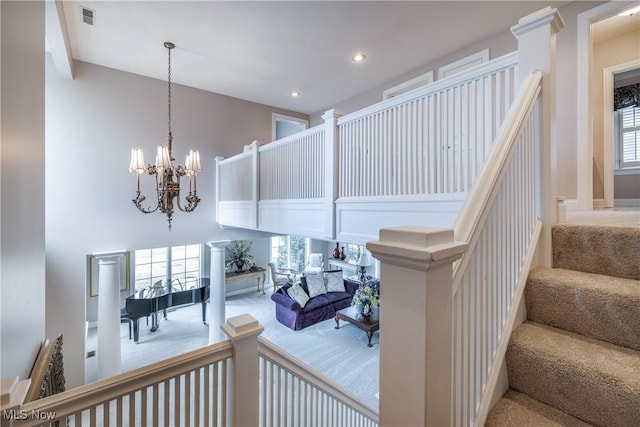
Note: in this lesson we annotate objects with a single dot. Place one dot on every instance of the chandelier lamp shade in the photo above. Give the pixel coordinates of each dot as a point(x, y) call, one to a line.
point(166, 174)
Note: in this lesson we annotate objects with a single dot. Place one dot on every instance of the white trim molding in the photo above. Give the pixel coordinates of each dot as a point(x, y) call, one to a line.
point(584, 132)
point(607, 126)
point(463, 64)
point(409, 85)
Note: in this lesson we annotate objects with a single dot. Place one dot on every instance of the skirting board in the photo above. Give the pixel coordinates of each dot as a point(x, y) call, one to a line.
point(627, 202)
point(572, 204)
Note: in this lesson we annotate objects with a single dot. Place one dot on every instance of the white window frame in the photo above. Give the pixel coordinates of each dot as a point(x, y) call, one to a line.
point(275, 117)
point(621, 165)
point(168, 272)
point(275, 244)
point(409, 85)
point(463, 64)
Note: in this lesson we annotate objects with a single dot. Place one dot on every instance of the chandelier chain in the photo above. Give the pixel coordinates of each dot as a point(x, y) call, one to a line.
point(169, 90)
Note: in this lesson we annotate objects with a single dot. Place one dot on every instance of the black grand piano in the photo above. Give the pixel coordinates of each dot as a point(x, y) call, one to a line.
point(148, 302)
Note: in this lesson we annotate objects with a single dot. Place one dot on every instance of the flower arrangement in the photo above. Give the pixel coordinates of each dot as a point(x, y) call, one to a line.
point(238, 255)
point(367, 297)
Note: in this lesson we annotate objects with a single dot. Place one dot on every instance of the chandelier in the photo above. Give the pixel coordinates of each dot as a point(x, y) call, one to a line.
point(167, 175)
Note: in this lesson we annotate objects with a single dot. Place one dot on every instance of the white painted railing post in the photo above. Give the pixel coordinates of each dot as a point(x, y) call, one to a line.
point(216, 313)
point(536, 34)
point(416, 324)
point(108, 349)
point(243, 331)
point(331, 174)
point(255, 182)
point(218, 186)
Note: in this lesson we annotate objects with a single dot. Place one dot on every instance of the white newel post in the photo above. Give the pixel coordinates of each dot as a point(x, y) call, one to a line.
point(108, 348)
point(536, 34)
point(216, 313)
point(331, 170)
point(218, 187)
point(255, 177)
point(243, 331)
point(416, 324)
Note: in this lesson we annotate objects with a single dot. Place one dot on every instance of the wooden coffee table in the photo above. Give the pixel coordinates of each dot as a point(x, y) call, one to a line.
point(367, 324)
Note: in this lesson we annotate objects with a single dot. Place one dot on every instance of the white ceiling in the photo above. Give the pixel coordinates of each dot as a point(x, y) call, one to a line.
point(261, 51)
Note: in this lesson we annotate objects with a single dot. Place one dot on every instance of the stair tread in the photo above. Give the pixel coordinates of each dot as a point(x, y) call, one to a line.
point(581, 279)
point(518, 409)
point(589, 353)
point(610, 250)
point(594, 305)
point(594, 380)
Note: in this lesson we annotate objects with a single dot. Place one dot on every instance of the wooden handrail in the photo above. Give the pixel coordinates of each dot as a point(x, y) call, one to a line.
point(89, 395)
point(476, 206)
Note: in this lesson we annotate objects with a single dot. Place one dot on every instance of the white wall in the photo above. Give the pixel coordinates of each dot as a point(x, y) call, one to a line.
point(92, 123)
point(22, 255)
point(609, 53)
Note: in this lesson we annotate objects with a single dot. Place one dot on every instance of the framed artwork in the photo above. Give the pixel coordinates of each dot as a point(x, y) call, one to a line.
point(93, 272)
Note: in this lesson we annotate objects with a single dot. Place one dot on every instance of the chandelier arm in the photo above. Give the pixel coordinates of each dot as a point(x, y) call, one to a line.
point(138, 202)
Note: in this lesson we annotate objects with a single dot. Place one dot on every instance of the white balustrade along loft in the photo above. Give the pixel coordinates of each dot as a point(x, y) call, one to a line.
point(408, 160)
point(451, 295)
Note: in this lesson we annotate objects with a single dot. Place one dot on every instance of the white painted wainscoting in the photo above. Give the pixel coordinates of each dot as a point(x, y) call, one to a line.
point(358, 220)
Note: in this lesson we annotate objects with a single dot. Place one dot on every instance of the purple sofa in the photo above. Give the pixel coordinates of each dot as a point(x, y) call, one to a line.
point(317, 309)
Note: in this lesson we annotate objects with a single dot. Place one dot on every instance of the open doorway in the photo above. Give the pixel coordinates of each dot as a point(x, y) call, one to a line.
point(598, 29)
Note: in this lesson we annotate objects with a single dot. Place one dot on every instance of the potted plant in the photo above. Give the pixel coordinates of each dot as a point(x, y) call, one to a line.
point(366, 299)
point(238, 255)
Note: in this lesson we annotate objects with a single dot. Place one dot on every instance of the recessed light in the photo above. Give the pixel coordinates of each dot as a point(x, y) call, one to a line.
point(630, 12)
point(294, 94)
point(359, 57)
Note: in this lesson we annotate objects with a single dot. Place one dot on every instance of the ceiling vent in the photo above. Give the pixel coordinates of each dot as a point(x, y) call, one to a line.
point(88, 16)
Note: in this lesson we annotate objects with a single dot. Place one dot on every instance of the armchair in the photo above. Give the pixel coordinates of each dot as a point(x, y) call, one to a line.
point(280, 276)
point(315, 264)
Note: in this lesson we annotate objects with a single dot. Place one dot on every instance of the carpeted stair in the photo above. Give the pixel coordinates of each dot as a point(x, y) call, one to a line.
point(577, 358)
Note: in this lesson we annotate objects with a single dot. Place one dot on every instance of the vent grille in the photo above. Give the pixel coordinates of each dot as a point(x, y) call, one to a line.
point(88, 16)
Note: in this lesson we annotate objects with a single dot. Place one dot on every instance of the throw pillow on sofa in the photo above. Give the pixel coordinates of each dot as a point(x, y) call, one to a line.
point(315, 284)
point(298, 294)
point(335, 282)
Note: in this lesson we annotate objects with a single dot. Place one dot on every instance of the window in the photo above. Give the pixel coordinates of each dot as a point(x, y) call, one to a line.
point(290, 251)
point(628, 137)
point(353, 253)
point(183, 263)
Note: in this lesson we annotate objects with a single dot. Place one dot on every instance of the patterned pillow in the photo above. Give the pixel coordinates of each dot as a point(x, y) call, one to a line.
point(297, 293)
point(315, 284)
point(335, 282)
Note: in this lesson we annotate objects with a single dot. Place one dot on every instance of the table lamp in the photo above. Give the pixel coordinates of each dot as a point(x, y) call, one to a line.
point(363, 263)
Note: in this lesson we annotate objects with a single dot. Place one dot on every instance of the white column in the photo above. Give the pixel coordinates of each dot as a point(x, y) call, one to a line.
point(243, 330)
point(108, 349)
point(416, 324)
point(216, 313)
point(536, 34)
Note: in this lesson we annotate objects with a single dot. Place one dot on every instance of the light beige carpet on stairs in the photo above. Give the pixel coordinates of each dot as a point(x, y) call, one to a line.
point(577, 360)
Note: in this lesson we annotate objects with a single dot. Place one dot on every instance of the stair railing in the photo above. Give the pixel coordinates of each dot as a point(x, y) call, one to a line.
point(176, 391)
point(500, 222)
point(293, 394)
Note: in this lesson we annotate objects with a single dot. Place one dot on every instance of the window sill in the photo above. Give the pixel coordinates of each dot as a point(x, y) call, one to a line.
point(627, 171)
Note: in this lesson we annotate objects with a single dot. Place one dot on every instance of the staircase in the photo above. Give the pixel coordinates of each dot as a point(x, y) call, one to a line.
point(576, 360)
